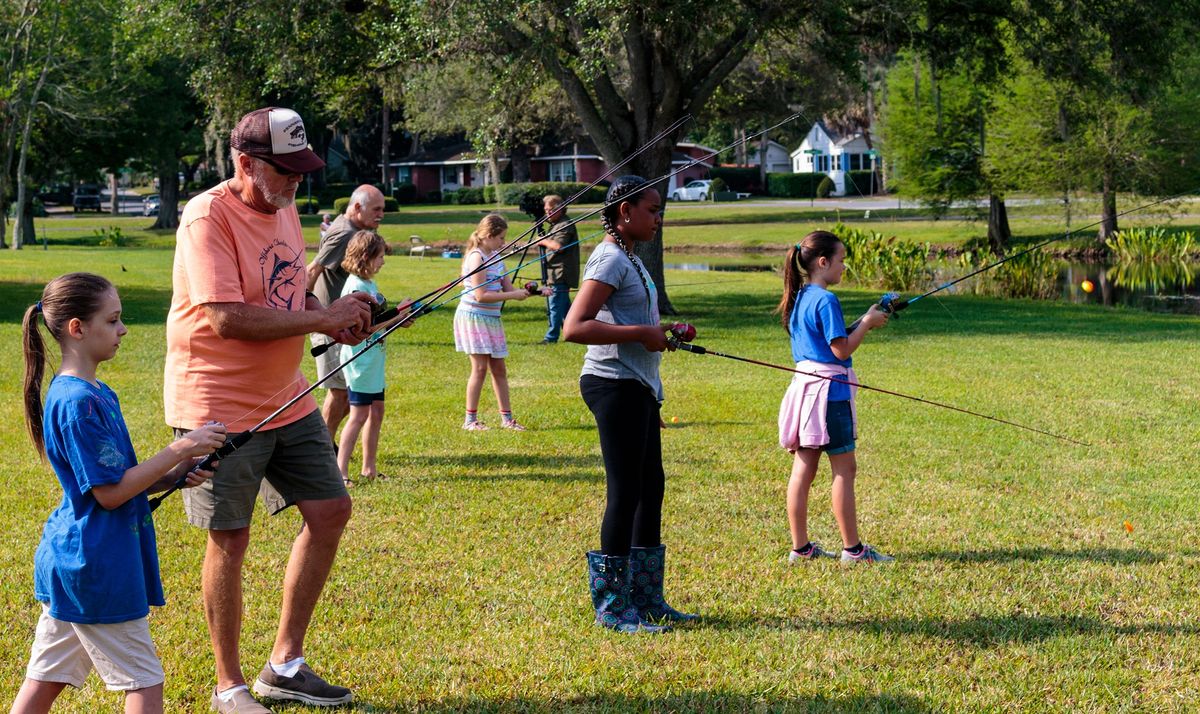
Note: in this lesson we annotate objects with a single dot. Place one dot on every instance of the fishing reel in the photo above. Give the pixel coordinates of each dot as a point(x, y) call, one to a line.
point(890, 304)
point(682, 333)
point(531, 287)
point(380, 313)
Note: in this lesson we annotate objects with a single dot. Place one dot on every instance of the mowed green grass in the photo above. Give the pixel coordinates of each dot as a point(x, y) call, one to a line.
point(461, 582)
point(767, 225)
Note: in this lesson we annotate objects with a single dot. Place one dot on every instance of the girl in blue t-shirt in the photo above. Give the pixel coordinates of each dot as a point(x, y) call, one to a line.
point(365, 378)
point(817, 413)
point(96, 568)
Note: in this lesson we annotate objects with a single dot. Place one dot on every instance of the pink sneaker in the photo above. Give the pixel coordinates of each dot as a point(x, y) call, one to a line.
point(512, 424)
point(474, 426)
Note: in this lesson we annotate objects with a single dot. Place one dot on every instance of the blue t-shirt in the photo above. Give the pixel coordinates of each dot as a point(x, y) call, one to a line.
point(631, 303)
point(365, 374)
point(815, 322)
point(93, 566)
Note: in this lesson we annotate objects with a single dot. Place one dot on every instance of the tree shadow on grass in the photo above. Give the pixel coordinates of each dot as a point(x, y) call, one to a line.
point(975, 631)
point(701, 701)
point(1115, 556)
point(139, 305)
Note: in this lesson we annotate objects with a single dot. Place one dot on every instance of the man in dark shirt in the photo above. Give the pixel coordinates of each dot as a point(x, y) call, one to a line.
point(326, 278)
point(561, 253)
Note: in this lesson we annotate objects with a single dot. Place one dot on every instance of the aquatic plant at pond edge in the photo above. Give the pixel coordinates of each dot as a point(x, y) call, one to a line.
point(1153, 243)
point(876, 261)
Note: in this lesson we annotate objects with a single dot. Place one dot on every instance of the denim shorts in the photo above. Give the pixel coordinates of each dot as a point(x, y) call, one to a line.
point(363, 399)
point(839, 421)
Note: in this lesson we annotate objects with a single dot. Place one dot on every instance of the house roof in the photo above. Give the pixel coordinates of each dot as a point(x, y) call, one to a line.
point(453, 154)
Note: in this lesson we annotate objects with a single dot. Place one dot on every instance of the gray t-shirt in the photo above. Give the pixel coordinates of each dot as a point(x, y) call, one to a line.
point(330, 253)
point(628, 305)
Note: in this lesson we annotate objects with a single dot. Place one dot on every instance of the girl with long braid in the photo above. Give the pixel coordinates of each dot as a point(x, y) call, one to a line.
point(616, 315)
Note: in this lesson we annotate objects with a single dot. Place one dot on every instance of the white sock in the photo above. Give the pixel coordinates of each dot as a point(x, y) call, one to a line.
point(287, 669)
point(227, 695)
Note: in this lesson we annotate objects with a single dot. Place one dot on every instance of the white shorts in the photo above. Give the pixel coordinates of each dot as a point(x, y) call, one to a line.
point(121, 653)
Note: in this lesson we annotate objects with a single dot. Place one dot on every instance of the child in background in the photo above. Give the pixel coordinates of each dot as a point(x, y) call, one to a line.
point(477, 328)
point(817, 413)
point(365, 377)
point(96, 568)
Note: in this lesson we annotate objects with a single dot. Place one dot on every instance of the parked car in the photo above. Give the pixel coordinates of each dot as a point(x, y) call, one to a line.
point(55, 194)
point(150, 205)
point(86, 198)
point(698, 190)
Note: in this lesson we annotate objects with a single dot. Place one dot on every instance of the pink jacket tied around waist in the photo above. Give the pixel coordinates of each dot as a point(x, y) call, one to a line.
point(802, 412)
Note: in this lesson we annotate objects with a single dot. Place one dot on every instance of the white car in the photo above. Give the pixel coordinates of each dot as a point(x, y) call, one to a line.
point(694, 191)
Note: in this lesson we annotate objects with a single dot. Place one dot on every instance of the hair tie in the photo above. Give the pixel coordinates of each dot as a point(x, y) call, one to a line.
point(38, 306)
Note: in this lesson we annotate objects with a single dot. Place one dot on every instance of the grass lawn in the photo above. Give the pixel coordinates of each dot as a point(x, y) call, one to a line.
point(461, 582)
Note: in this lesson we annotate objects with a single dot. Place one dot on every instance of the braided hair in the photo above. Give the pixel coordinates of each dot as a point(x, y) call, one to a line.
point(635, 188)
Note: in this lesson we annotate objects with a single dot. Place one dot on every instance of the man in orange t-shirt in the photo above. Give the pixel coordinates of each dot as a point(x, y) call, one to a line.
point(235, 337)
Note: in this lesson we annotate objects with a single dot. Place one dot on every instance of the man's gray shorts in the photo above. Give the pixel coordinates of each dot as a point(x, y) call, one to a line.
point(285, 465)
point(329, 361)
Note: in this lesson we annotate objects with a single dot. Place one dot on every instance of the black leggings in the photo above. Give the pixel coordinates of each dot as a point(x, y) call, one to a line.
point(627, 418)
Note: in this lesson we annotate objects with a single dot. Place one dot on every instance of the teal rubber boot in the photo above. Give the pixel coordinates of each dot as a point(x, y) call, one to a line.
point(646, 571)
point(608, 579)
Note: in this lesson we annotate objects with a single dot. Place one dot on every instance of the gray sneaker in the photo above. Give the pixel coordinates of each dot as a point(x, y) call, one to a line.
point(242, 702)
point(305, 686)
point(813, 554)
point(867, 555)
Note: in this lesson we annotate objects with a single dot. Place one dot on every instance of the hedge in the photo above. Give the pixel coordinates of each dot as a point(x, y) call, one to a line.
point(464, 196)
point(512, 193)
point(746, 180)
point(307, 205)
point(340, 204)
point(405, 193)
point(794, 185)
point(858, 183)
point(825, 188)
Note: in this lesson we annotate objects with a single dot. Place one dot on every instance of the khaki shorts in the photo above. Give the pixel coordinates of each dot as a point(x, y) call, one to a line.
point(121, 653)
point(329, 361)
point(285, 465)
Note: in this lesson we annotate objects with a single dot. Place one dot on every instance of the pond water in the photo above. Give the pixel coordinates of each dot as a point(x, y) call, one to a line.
point(1158, 287)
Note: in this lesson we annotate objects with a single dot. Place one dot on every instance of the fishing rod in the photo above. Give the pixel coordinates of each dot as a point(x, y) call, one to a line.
point(512, 249)
point(682, 334)
point(419, 306)
point(392, 313)
point(891, 303)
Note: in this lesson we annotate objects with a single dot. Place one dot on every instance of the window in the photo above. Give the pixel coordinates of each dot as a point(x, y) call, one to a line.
point(404, 174)
point(562, 170)
point(855, 162)
point(837, 162)
point(450, 175)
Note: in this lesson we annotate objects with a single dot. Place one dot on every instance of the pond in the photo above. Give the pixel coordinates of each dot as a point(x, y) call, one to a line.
point(1154, 286)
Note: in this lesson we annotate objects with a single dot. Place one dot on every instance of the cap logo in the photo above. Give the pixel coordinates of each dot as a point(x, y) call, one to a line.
point(287, 132)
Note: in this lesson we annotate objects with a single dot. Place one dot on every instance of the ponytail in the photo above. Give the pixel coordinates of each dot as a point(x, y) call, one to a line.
point(35, 368)
point(67, 297)
point(796, 268)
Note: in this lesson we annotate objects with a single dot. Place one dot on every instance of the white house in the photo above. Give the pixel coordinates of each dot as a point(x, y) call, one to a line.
point(778, 161)
point(823, 151)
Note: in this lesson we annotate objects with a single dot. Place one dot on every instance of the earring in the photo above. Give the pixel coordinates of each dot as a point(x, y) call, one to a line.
point(626, 219)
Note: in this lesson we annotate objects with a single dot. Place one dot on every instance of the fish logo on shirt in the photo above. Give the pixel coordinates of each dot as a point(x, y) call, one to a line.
point(283, 273)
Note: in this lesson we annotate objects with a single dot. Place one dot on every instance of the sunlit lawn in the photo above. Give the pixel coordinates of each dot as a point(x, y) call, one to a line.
point(461, 585)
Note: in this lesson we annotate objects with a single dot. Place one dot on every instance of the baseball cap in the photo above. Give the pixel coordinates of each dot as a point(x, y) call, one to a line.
point(276, 136)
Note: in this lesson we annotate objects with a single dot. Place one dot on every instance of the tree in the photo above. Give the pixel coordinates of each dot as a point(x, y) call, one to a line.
point(628, 69)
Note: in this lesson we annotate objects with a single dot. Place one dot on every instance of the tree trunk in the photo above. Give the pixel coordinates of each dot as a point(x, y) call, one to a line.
point(999, 233)
point(114, 197)
point(1108, 215)
point(762, 155)
point(520, 164)
point(739, 152)
point(651, 165)
point(386, 131)
point(168, 194)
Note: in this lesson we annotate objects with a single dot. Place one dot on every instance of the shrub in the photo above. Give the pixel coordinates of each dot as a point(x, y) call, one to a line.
point(746, 180)
point(793, 185)
point(859, 183)
point(1154, 243)
point(876, 261)
point(307, 205)
point(331, 191)
point(433, 197)
point(340, 205)
point(718, 184)
point(825, 187)
point(405, 193)
point(512, 193)
point(464, 196)
point(390, 205)
point(111, 237)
